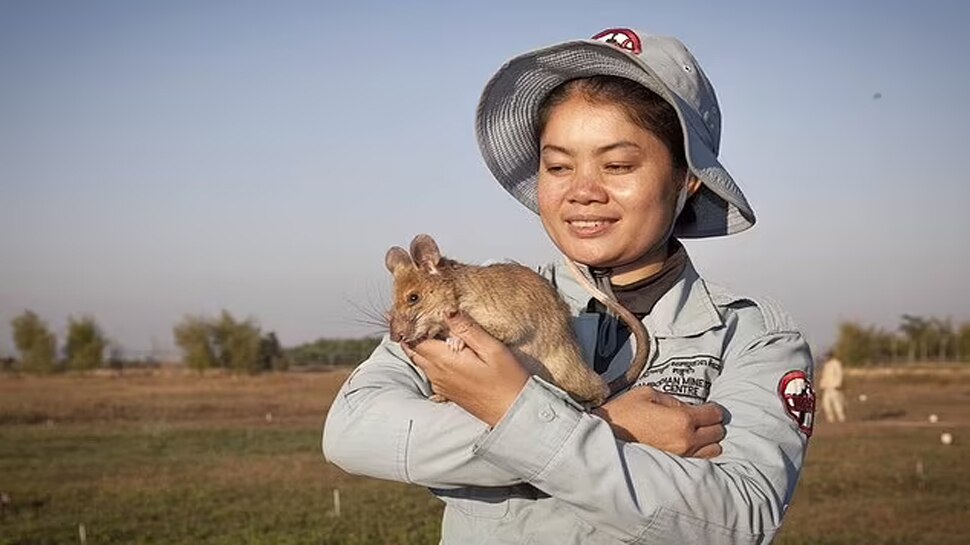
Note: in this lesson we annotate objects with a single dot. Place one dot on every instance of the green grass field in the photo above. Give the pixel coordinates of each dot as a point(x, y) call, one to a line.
point(183, 459)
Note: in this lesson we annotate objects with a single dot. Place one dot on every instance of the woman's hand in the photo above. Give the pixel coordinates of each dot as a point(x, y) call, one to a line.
point(484, 377)
point(644, 415)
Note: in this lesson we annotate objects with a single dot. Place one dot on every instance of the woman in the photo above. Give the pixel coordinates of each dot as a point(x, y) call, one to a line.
point(613, 141)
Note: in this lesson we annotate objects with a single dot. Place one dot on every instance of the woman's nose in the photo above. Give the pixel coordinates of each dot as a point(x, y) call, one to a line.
point(587, 187)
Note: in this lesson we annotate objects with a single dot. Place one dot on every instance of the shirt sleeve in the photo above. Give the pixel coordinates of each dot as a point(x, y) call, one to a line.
point(640, 494)
point(382, 424)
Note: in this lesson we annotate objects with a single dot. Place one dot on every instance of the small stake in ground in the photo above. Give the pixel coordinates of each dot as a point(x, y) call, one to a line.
point(336, 502)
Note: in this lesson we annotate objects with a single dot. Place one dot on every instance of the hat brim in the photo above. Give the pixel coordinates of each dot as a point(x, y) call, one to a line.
point(507, 130)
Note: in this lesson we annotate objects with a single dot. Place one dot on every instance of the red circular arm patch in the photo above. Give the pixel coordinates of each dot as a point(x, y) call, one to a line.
point(798, 397)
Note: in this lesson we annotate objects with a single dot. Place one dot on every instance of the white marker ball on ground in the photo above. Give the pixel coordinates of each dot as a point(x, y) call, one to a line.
point(946, 438)
point(934, 419)
point(863, 397)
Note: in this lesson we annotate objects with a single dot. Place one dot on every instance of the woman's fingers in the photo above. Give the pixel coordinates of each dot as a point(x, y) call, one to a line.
point(709, 435)
point(708, 451)
point(434, 357)
point(474, 336)
point(708, 414)
point(415, 357)
point(434, 352)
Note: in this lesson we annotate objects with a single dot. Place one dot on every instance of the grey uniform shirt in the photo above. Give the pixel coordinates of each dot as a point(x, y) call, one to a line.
point(550, 473)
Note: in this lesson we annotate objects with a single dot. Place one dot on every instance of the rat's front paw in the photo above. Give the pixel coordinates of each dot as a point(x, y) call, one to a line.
point(438, 398)
point(455, 343)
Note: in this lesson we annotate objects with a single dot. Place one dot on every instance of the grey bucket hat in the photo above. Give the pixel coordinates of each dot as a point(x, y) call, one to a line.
point(507, 118)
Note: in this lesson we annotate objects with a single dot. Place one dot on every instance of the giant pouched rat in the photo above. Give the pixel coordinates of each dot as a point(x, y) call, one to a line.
point(511, 302)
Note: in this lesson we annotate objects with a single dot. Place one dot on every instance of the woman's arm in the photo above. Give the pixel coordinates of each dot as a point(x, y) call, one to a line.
point(639, 493)
point(382, 424)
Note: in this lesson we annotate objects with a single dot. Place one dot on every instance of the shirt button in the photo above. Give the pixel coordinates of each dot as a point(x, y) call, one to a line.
point(547, 414)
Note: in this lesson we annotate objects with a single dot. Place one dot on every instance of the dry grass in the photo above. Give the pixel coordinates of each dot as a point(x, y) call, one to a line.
point(183, 397)
point(182, 458)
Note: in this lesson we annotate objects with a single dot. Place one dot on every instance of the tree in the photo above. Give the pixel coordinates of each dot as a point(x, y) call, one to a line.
point(226, 343)
point(853, 344)
point(271, 354)
point(85, 344)
point(35, 342)
point(237, 343)
point(916, 330)
point(882, 345)
point(942, 337)
point(192, 335)
point(963, 342)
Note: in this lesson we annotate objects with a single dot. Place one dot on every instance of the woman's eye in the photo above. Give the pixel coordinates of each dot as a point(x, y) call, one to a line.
point(557, 169)
point(618, 168)
point(413, 298)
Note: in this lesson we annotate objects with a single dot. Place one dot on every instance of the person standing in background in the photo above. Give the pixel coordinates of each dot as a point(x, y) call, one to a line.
point(831, 385)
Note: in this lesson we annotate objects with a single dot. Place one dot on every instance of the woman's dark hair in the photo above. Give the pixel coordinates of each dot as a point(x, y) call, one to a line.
point(643, 106)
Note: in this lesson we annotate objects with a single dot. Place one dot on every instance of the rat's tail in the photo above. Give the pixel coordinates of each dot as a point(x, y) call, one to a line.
point(641, 338)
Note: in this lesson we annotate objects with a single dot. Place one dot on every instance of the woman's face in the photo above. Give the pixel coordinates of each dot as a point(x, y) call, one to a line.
point(607, 187)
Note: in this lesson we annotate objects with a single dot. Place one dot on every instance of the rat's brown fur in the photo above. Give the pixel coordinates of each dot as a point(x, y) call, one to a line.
point(513, 303)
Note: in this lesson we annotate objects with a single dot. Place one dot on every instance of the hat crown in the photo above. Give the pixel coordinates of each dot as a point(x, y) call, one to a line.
point(669, 58)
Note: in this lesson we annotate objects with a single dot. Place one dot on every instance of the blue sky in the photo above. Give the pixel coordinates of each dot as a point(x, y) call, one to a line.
point(167, 158)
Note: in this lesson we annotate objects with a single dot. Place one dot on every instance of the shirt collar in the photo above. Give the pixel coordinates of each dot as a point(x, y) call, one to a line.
point(686, 310)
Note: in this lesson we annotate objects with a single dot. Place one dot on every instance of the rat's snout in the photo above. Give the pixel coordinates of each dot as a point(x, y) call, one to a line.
point(398, 326)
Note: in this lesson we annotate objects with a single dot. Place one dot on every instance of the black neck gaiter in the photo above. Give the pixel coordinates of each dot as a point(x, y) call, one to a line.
point(639, 298)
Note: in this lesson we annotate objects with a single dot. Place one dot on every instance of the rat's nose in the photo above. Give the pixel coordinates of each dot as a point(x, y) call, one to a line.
point(395, 331)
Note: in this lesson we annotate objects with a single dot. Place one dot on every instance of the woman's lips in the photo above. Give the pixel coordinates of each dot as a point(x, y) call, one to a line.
point(589, 227)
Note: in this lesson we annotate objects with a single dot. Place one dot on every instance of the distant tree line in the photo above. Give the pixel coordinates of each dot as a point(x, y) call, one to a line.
point(206, 343)
point(333, 351)
point(916, 339)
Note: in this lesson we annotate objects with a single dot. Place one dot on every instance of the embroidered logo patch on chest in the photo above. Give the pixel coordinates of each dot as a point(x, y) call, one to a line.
point(798, 398)
point(687, 377)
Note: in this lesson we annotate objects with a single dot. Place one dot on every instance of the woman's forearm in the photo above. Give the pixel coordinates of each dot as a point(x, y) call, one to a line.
point(381, 424)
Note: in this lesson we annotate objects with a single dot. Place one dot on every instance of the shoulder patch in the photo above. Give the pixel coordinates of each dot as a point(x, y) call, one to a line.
point(775, 318)
point(798, 398)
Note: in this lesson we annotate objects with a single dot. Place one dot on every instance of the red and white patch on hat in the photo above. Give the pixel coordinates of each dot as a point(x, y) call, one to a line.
point(798, 397)
point(624, 38)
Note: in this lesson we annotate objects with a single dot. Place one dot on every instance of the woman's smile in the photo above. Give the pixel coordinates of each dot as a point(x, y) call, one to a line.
point(589, 227)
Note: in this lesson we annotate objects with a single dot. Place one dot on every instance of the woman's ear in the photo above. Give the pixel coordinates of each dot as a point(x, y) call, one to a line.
point(693, 184)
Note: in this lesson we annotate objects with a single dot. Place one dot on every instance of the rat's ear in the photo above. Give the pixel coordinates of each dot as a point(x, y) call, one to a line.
point(425, 253)
point(396, 257)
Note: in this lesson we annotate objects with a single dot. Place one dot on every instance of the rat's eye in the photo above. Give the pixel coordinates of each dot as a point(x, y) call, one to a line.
point(413, 298)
